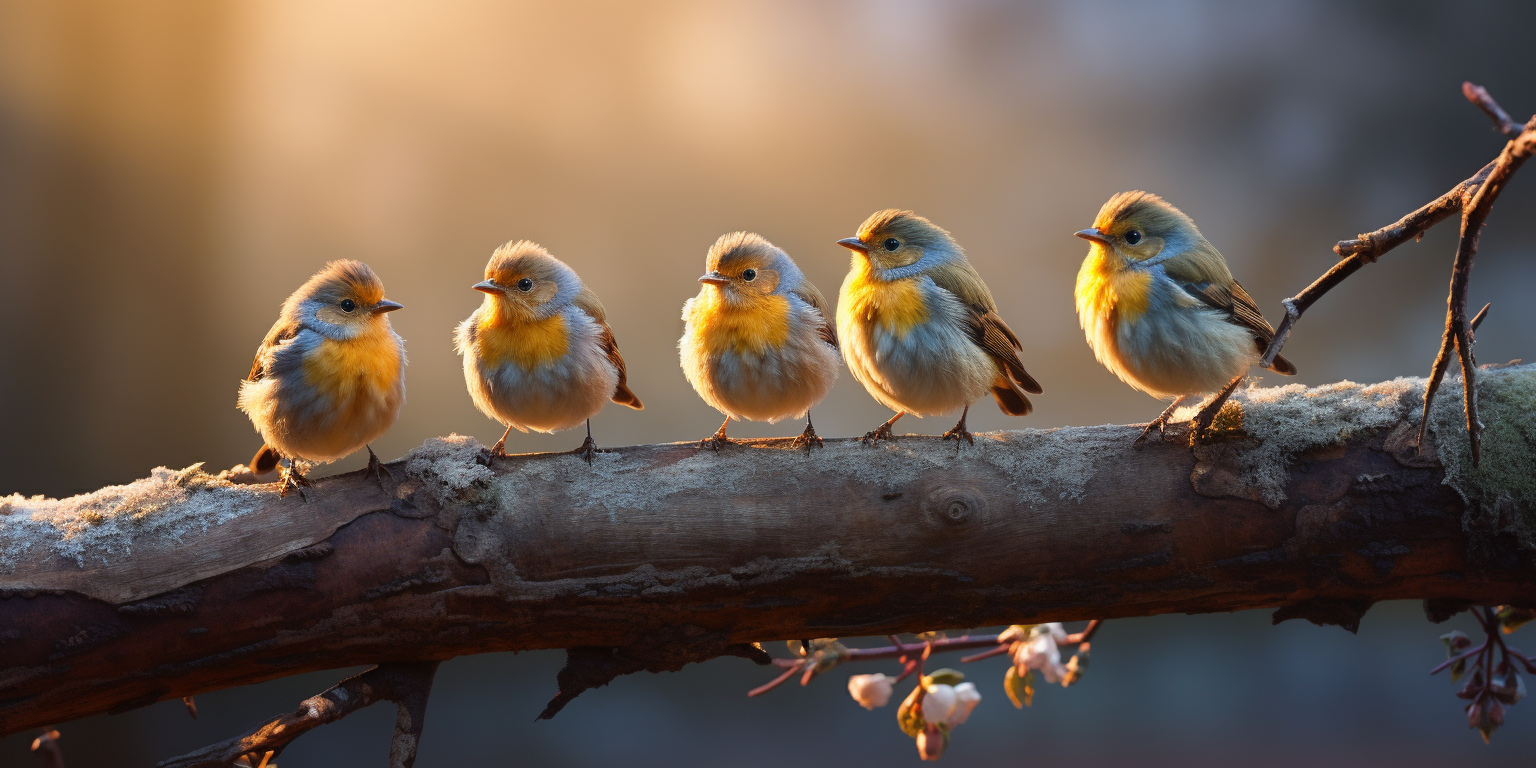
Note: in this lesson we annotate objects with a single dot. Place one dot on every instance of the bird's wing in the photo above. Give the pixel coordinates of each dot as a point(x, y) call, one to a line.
point(984, 325)
point(1240, 310)
point(283, 330)
point(808, 293)
point(587, 302)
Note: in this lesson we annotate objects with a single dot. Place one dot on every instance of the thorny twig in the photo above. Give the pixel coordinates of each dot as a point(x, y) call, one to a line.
point(408, 685)
point(1474, 198)
point(911, 655)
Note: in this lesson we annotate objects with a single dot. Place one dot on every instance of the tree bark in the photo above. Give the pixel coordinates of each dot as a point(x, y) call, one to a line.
point(1316, 501)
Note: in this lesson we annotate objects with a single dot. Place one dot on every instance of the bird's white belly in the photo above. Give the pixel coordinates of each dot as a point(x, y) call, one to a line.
point(932, 368)
point(1182, 351)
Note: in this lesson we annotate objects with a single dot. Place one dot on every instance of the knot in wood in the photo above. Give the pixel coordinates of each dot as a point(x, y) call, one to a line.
point(953, 505)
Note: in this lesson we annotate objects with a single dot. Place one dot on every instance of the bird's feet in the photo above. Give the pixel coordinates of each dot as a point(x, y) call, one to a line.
point(958, 433)
point(292, 481)
point(488, 456)
point(586, 450)
point(1157, 424)
point(808, 438)
point(715, 441)
point(378, 469)
point(882, 432)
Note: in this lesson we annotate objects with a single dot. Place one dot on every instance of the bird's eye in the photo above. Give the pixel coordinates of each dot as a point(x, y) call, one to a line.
point(525, 285)
point(1132, 237)
point(749, 274)
point(347, 305)
point(892, 244)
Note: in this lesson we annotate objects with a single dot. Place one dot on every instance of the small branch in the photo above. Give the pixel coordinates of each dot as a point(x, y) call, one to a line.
point(408, 685)
point(1501, 122)
point(1368, 247)
point(48, 741)
point(1458, 331)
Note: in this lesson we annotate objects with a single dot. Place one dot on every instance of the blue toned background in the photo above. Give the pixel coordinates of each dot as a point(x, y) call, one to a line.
point(170, 171)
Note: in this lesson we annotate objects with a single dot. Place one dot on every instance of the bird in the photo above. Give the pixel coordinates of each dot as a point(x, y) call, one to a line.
point(538, 352)
point(329, 378)
point(919, 328)
point(1161, 309)
point(757, 343)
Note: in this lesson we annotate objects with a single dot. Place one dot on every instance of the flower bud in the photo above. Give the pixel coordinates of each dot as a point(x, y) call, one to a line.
point(939, 703)
point(870, 691)
point(930, 743)
point(966, 699)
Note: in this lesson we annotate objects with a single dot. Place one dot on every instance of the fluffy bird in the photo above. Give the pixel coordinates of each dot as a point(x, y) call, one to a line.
point(919, 328)
point(538, 352)
point(1161, 309)
point(756, 340)
point(329, 377)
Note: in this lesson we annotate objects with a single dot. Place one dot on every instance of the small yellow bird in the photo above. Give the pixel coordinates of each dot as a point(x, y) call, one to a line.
point(329, 378)
point(919, 328)
point(538, 353)
point(1161, 309)
point(756, 340)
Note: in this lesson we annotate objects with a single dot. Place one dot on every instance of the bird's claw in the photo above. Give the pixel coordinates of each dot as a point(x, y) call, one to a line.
point(295, 482)
point(714, 441)
point(882, 432)
point(807, 439)
point(959, 433)
point(1158, 424)
point(378, 469)
point(586, 450)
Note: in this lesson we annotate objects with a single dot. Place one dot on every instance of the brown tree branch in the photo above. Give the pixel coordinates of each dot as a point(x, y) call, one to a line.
point(656, 556)
point(408, 685)
point(1474, 198)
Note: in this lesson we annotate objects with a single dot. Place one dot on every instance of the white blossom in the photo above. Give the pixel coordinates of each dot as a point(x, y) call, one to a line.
point(1040, 653)
point(966, 699)
point(939, 703)
point(870, 691)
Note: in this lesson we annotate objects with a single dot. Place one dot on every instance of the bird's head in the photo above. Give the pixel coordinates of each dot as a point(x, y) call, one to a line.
point(744, 267)
point(897, 243)
point(342, 300)
point(522, 281)
point(1139, 229)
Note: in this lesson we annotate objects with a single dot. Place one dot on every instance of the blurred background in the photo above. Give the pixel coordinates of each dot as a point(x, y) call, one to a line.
point(171, 171)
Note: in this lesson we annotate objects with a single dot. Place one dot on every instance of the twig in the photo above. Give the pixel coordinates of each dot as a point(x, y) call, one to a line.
point(912, 655)
point(408, 685)
point(1479, 95)
point(1474, 198)
point(48, 741)
point(1458, 331)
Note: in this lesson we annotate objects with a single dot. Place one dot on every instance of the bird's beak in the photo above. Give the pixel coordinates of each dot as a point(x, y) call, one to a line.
point(854, 244)
point(1093, 234)
point(714, 278)
point(487, 286)
point(387, 306)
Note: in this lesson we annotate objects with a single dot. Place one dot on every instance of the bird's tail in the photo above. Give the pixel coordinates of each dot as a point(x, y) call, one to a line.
point(623, 396)
point(1283, 366)
point(265, 460)
point(1010, 399)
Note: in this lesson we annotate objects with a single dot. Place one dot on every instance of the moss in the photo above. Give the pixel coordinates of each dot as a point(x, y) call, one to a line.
point(1502, 488)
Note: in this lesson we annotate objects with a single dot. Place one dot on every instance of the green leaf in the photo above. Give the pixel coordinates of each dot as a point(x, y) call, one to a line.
point(1020, 689)
point(1458, 670)
point(909, 716)
point(945, 676)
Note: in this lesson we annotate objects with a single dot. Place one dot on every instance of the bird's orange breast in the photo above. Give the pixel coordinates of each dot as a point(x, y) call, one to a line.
point(896, 305)
point(366, 366)
point(753, 327)
point(530, 344)
point(1105, 291)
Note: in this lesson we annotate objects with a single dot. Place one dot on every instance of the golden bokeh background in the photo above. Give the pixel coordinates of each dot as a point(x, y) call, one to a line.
point(170, 171)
